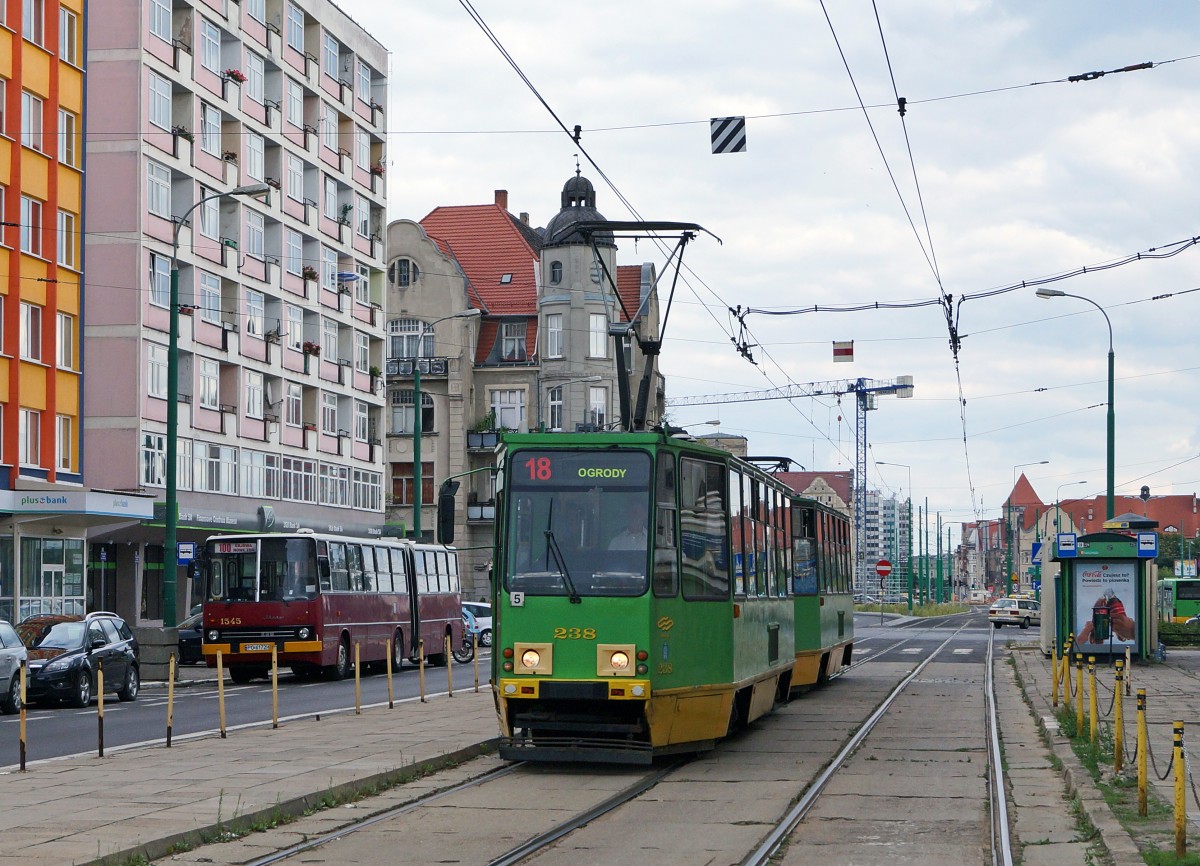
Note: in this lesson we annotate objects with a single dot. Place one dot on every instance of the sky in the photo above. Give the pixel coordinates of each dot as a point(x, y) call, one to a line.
point(1000, 173)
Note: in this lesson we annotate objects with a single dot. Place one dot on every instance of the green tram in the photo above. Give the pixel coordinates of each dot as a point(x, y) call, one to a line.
point(644, 592)
point(822, 584)
point(1180, 599)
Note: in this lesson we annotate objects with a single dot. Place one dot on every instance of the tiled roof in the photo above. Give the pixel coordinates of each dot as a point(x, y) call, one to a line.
point(842, 481)
point(629, 287)
point(488, 245)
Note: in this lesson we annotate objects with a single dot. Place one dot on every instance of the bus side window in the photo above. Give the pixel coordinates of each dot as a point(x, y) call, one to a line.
point(354, 564)
point(383, 569)
point(399, 575)
point(422, 579)
point(368, 576)
point(340, 576)
point(452, 571)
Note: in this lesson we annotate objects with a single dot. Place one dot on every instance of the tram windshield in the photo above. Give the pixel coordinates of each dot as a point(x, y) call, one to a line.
point(578, 523)
point(285, 571)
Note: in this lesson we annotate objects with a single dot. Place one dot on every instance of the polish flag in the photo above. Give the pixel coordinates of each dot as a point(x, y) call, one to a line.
point(843, 350)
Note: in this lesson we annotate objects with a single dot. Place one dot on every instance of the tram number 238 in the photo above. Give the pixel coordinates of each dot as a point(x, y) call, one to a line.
point(574, 634)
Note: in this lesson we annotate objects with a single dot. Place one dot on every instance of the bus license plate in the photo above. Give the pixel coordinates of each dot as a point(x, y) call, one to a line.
point(256, 647)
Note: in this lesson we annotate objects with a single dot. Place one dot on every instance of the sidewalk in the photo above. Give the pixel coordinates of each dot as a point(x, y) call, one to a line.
point(143, 801)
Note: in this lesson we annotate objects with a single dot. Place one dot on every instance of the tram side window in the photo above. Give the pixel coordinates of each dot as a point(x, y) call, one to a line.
point(749, 530)
point(338, 570)
point(704, 524)
point(666, 550)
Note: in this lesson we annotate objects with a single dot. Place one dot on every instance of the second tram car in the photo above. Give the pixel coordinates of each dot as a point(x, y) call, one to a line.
point(314, 597)
point(643, 590)
point(822, 587)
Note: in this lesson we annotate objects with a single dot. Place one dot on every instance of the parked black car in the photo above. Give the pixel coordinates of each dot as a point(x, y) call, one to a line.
point(190, 652)
point(66, 651)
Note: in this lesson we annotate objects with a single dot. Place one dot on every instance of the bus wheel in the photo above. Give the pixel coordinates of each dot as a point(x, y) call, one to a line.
point(340, 669)
point(241, 675)
point(398, 655)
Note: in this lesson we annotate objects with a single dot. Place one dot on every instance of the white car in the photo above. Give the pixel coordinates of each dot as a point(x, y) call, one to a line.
point(482, 611)
point(12, 653)
point(1015, 611)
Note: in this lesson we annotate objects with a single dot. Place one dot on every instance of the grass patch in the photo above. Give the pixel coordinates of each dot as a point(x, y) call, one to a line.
point(943, 609)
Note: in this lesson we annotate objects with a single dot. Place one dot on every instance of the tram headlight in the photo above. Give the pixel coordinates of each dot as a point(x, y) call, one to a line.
point(213, 635)
point(619, 661)
point(531, 658)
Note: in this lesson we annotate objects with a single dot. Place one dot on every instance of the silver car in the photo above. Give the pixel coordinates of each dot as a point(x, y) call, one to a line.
point(12, 653)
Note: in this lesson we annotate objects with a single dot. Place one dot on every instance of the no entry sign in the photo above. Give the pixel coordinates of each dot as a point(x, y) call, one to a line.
point(883, 568)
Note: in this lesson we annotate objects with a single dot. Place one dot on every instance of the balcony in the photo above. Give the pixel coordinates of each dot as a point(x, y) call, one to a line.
point(482, 441)
point(477, 511)
point(403, 367)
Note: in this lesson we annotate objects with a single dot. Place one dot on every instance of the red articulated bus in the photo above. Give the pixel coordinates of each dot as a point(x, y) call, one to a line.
point(313, 597)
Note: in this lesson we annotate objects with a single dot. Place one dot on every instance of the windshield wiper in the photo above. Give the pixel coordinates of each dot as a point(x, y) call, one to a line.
point(552, 546)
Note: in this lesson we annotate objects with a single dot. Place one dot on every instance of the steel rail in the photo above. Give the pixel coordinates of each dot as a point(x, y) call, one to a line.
point(1001, 840)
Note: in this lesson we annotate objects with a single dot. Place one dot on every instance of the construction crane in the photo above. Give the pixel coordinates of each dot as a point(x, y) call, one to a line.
point(865, 391)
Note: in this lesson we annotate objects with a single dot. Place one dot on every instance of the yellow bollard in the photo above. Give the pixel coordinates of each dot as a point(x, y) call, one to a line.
point(24, 673)
point(357, 681)
point(421, 665)
point(1078, 694)
point(1180, 798)
point(391, 702)
point(1119, 720)
point(1092, 698)
point(475, 656)
point(170, 698)
point(221, 692)
point(1141, 751)
point(100, 705)
point(274, 686)
point(449, 669)
point(1066, 671)
point(1057, 672)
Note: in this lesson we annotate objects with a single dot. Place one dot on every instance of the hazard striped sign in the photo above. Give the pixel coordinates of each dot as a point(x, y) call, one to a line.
point(728, 134)
point(843, 350)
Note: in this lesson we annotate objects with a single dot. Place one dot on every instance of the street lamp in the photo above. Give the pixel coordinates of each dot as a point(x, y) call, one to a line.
point(1057, 494)
point(417, 479)
point(1112, 418)
point(908, 559)
point(171, 519)
point(1008, 528)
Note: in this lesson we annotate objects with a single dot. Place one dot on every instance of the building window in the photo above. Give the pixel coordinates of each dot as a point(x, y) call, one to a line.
point(260, 475)
point(255, 313)
point(363, 82)
point(329, 339)
point(554, 335)
point(295, 326)
point(295, 103)
point(210, 130)
point(210, 215)
point(293, 251)
point(210, 46)
point(255, 155)
point(330, 208)
point(154, 460)
point(31, 332)
point(31, 226)
point(362, 286)
point(66, 138)
point(329, 126)
point(160, 19)
point(295, 28)
point(64, 444)
point(403, 273)
point(329, 55)
point(66, 341)
point(556, 272)
point(512, 341)
point(329, 269)
point(362, 216)
point(295, 177)
point(254, 394)
point(31, 120)
point(403, 336)
point(33, 19)
point(210, 384)
point(361, 426)
point(362, 352)
point(299, 479)
point(66, 239)
point(404, 483)
point(254, 77)
point(402, 412)
point(156, 370)
point(29, 442)
point(508, 406)
point(598, 407)
point(366, 489)
point(255, 234)
point(335, 484)
point(329, 414)
point(362, 148)
point(160, 101)
point(216, 469)
point(597, 336)
point(158, 189)
point(68, 36)
point(210, 297)
point(554, 399)
point(160, 280)
point(294, 404)
point(257, 9)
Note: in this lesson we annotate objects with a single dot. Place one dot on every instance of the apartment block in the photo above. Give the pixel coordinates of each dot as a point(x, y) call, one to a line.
point(194, 105)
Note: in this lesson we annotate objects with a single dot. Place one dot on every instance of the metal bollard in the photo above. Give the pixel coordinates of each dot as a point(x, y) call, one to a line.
point(421, 664)
point(274, 687)
point(1141, 751)
point(357, 681)
point(1057, 672)
point(24, 673)
point(1119, 720)
point(100, 706)
point(1092, 724)
point(1078, 694)
point(221, 692)
point(391, 701)
point(475, 657)
point(449, 669)
point(1180, 798)
point(170, 698)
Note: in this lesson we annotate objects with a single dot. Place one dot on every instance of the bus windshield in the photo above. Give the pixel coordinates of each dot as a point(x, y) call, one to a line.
point(578, 523)
point(285, 571)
